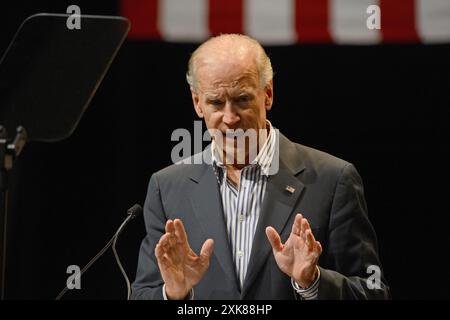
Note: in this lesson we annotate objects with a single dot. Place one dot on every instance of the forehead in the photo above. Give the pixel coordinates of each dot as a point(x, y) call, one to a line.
point(222, 69)
point(215, 77)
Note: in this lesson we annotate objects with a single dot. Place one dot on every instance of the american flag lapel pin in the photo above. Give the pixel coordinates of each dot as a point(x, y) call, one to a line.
point(290, 189)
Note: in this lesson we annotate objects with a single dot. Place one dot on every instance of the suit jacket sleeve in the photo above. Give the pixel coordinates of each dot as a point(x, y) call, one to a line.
point(148, 283)
point(351, 245)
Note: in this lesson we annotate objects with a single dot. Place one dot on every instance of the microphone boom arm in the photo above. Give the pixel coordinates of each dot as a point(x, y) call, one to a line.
point(133, 212)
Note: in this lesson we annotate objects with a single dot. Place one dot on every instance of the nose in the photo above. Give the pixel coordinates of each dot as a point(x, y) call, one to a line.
point(230, 117)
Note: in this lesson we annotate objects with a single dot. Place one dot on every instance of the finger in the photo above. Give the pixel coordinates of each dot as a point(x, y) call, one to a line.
point(206, 251)
point(159, 251)
point(310, 241)
point(318, 249)
point(180, 232)
point(161, 255)
point(296, 226)
point(274, 239)
point(319, 246)
point(170, 229)
point(164, 242)
point(304, 227)
point(173, 241)
point(169, 226)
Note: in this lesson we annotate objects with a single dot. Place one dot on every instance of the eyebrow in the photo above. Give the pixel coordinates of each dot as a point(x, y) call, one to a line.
point(213, 96)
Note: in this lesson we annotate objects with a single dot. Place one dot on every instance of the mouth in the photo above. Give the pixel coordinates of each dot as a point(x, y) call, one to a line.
point(236, 133)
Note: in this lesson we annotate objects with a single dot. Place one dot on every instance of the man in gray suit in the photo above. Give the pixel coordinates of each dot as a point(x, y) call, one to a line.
point(289, 222)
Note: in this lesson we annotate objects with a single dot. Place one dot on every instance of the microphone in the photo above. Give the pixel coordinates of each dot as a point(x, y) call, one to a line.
point(132, 213)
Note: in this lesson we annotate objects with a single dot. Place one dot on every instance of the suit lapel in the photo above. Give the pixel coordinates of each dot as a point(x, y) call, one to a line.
point(208, 210)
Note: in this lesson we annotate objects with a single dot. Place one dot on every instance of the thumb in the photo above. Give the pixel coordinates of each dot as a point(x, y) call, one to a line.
point(207, 249)
point(274, 239)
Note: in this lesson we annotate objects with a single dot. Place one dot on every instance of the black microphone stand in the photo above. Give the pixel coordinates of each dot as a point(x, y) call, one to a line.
point(9, 151)
point(133, 212)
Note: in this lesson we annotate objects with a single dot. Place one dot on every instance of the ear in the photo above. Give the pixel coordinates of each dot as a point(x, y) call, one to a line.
point(196, 102)
point(269, 95)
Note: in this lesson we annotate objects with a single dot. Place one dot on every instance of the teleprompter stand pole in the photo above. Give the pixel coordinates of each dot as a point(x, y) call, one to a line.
point(9, 151)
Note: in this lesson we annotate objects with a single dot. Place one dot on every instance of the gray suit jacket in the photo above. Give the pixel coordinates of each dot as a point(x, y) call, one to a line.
point(328, 192)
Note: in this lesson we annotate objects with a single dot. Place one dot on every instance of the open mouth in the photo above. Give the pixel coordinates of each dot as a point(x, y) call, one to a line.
point(237, 133)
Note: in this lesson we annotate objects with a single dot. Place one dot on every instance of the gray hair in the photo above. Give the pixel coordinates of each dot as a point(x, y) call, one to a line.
point(265, 71)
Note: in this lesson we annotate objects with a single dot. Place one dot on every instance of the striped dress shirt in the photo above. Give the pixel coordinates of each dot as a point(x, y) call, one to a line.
point(242, 206)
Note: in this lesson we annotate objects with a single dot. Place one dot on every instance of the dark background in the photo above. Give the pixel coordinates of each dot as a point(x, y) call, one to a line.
point(384, 108)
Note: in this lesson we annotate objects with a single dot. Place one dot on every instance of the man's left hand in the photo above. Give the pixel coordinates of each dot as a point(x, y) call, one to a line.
point(298, 256)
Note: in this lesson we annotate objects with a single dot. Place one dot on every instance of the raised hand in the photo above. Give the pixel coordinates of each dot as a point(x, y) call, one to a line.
point(299, 255)
point(181, 269)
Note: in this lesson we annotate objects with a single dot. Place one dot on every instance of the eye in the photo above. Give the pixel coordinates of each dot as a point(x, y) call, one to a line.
point(243, 99)
point(216, 102)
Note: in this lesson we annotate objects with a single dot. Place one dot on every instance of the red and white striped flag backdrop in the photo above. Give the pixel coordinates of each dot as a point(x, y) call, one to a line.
point(283, 22)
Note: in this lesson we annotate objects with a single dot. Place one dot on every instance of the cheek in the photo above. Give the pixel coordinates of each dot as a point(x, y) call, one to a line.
point(254, 114)
point(212, 119)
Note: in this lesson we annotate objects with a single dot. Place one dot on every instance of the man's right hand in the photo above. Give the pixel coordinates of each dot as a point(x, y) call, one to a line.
point(181, 269)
